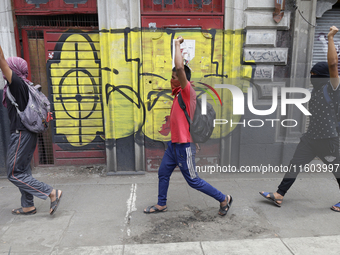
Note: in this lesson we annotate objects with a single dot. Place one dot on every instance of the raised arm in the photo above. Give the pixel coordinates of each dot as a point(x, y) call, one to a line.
point(4, 67)
point(332, 58)
point(179, 63)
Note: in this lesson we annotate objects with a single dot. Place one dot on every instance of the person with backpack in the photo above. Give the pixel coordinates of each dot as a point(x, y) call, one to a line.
point(181, 151)
point(322, 136)
point(22, 141)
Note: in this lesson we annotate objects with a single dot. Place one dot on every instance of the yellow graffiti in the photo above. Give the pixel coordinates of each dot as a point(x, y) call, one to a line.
point(238, 75)
point(75, 78)
point(139, 68)
point(227, 52)
point(136, 85)
point(123, 110)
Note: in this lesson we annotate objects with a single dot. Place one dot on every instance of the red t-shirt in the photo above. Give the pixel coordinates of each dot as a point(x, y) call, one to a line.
point(179, 125)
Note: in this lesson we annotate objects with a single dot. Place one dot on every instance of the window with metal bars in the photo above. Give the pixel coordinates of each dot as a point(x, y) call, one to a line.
point(74, 20)
point(37, 62)
point(180, 7)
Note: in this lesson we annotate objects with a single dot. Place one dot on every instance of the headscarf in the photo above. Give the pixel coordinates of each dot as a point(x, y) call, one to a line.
point(19, 67)
point(321, 76)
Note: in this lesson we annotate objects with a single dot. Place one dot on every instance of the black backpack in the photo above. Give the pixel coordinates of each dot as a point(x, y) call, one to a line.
point(202, 126)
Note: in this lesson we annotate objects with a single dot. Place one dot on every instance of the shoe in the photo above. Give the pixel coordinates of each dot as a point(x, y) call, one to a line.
point(55, 203)
point(156, 210)
point(223, 210)
point(20, 211)
point(337, 205)
point(272, 198)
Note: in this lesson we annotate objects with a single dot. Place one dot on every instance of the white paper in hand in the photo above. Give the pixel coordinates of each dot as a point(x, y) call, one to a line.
point(187, 49)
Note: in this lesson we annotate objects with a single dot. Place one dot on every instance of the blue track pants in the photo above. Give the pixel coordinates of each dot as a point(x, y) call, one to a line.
point(182, 155)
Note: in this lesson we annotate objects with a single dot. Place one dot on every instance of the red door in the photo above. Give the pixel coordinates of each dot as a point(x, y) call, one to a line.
point(66, 63)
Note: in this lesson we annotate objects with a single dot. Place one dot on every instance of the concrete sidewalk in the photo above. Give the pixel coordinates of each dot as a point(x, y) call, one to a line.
point(103, 215)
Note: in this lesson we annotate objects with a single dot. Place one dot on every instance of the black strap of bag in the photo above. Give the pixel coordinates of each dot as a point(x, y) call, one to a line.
point(184, 108)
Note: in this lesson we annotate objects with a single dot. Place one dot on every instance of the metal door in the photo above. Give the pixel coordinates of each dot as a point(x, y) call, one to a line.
point(74, 78)
point(67, 65)
point(34, 54)
point(328, 19)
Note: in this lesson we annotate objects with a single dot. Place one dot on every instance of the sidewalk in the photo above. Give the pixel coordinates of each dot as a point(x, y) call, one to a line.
point(103, 215)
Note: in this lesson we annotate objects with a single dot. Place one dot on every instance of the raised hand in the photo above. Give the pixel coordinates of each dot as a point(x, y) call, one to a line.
point(332, 31)
point(179, 39)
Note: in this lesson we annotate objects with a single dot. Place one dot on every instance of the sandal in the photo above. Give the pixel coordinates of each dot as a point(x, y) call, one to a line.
point(155, 209)
point(338, 206)
point(55, 203)
point(272, 198)
point(223, 210)
point(21, 211)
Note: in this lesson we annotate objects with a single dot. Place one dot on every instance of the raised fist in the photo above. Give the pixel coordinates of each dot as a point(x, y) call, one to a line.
point(180, 39)
point(332, 31)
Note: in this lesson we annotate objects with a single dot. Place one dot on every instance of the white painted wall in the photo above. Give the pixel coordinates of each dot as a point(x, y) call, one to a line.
point(7, 40)
point(118, 14)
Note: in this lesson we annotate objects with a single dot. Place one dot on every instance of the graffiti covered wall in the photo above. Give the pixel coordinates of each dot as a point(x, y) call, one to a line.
point(136, 82)
point(75, 88)
point(111, 88)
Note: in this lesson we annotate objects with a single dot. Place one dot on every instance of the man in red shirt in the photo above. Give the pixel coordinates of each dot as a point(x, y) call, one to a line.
point(180, 150)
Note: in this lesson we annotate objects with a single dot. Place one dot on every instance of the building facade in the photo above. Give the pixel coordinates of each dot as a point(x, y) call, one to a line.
point(106, 67)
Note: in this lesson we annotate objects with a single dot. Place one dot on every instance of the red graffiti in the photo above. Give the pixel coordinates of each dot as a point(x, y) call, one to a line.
point(165, 127)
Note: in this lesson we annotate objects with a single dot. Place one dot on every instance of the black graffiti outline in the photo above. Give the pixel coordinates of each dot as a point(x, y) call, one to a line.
point(119, 90)
point(78, 97)
point(155, 75)
point(163, 93)
point(57, 59)
point(140, 104)
point(158, 95)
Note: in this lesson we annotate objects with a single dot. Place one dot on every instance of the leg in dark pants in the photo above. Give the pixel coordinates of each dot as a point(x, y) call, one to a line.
point(304, 154)
point(186, 161)
point(20, 153)
point(27, 199)
point(326, 149)
point(183, 155)
point(329, 154)
point(164, 172)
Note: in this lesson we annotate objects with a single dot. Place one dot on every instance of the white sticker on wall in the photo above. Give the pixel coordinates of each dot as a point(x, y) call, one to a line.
point(187, 49)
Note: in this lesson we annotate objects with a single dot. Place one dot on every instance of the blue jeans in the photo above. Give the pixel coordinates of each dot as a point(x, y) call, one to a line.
point(182, 155)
